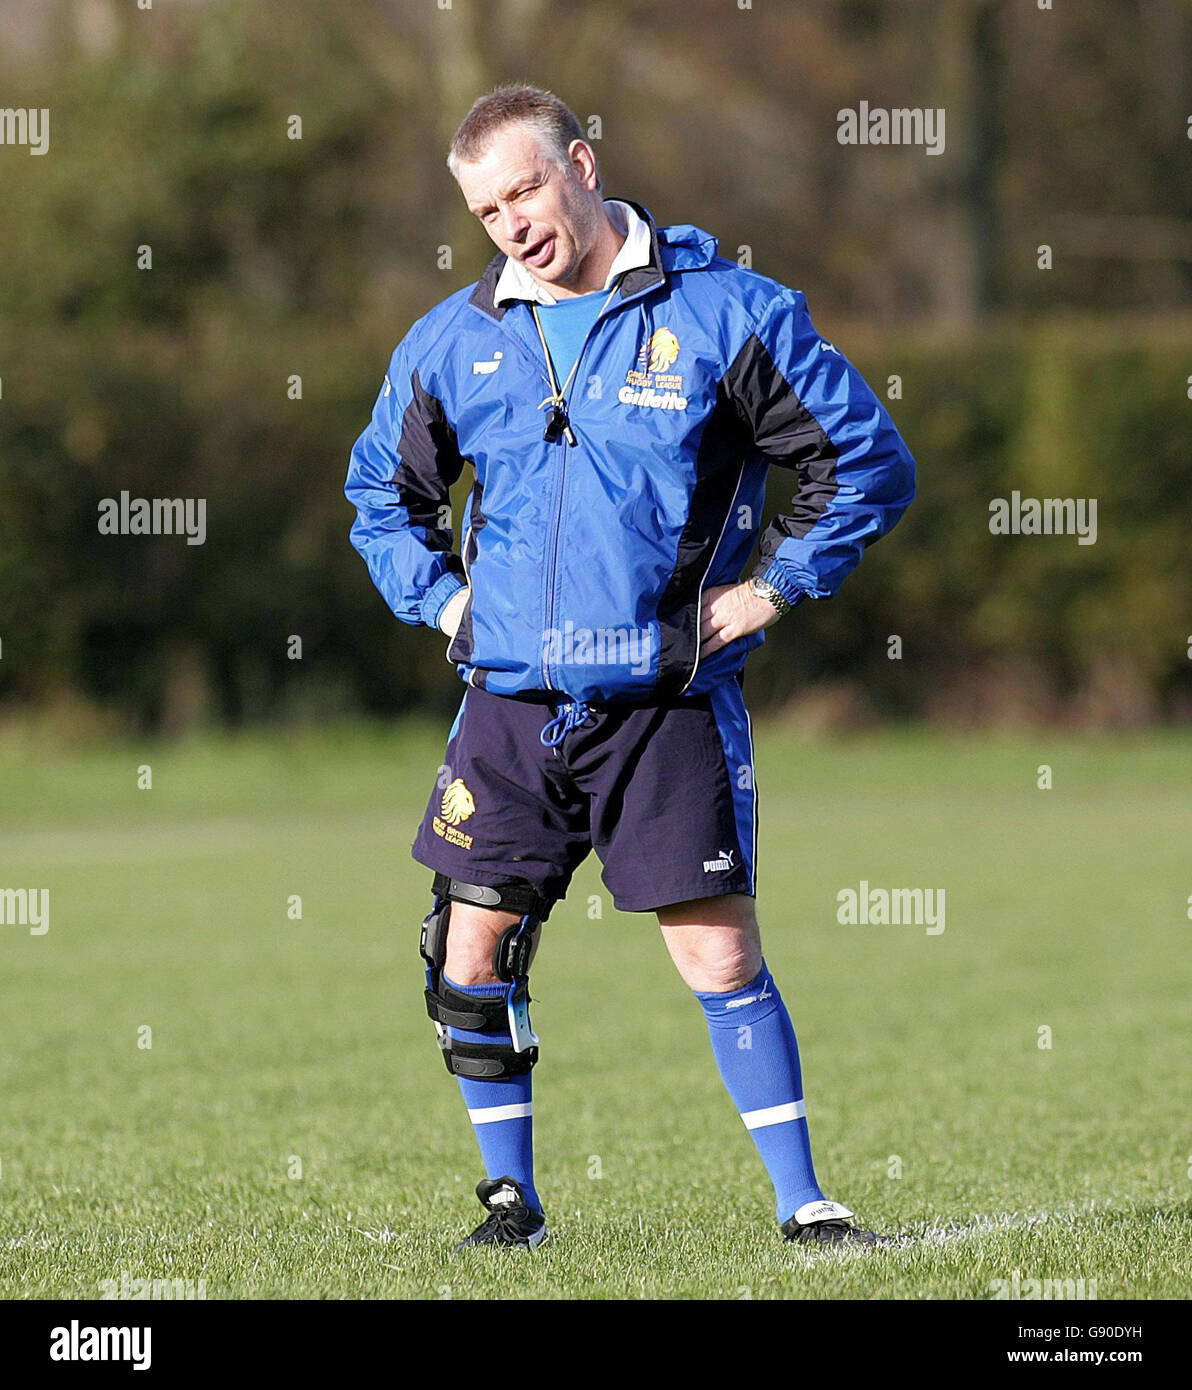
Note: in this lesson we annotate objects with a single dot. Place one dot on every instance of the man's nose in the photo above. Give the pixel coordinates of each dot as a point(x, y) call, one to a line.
point(513, 223)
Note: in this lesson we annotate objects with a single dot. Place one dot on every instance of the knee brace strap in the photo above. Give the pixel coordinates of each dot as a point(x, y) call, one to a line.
point(455, 1010)
point(486, 1061)
point(522, 898)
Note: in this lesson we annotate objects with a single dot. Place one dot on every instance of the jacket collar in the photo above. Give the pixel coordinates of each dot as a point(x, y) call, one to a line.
point(644, 271)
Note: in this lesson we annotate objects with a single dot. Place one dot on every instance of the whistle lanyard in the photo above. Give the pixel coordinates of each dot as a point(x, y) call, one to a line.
point(558, 424)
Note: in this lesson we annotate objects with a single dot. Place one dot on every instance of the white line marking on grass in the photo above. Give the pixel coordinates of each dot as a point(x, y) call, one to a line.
point(34, 1240)
point(1010, 1221)
point(381, 1237)
point(987, 1225)
point(980, 1226)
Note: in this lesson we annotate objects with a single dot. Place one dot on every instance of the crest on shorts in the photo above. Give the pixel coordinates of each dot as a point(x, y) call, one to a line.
point(458, 803)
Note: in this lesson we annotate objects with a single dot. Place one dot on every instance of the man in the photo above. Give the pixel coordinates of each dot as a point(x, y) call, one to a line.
point(619, 392)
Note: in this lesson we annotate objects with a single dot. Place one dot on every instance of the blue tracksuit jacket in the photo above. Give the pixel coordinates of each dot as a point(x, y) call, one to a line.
point(587, 561)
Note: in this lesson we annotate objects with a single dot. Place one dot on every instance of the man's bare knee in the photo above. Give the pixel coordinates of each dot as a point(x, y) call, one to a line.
point(713, 961)
point(715, 943)
point(472, 936)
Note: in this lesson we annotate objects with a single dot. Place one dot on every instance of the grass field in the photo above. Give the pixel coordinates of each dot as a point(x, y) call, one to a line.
point(275, 1039)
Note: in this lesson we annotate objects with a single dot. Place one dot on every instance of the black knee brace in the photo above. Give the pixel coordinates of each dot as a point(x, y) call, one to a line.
point(448, 1008)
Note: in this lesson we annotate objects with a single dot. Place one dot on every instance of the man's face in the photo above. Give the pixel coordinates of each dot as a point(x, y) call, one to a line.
point(542, 215)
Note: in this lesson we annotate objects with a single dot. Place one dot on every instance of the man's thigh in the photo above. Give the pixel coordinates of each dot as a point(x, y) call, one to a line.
point(674, 803)
point(499, 812)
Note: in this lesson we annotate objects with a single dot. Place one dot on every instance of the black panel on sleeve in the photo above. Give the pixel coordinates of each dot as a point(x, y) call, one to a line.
point(430, 463)
point(787, 434)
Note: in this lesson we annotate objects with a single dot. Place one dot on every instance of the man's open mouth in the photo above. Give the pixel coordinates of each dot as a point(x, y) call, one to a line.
point(540, 253)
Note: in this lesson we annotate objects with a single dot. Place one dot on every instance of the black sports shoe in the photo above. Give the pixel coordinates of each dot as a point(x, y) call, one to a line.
point(510, 1221)
point(826, 1223)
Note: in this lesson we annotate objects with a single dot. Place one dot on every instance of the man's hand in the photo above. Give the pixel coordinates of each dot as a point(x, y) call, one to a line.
point(730, 611)
point(453, 611)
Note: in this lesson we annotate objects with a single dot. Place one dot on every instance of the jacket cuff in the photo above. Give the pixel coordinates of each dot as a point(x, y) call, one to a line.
point(437, 597)
point(782, 581)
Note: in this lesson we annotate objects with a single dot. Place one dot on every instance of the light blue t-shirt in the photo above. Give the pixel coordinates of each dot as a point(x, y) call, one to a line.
point(565, 325)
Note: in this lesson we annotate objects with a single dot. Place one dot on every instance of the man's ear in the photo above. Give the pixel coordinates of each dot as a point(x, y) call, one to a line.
point(583, 161)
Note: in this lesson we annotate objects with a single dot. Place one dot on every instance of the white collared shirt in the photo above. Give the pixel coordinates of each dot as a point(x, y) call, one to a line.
point(516, 282)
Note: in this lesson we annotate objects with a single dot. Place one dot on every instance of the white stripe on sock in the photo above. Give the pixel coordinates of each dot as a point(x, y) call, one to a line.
point(490, 1114)
point(774, 1115)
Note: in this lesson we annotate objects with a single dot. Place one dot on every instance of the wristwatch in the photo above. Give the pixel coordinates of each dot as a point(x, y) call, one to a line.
point(772, 595)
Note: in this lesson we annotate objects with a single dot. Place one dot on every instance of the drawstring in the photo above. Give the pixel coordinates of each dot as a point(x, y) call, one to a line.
point(570, 716)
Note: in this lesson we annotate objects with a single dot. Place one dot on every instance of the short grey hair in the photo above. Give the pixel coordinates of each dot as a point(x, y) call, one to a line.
point(552, 121)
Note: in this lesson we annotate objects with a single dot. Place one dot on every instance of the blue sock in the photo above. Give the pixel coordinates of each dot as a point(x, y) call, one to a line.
point(502, 1112)
point(755, 1048)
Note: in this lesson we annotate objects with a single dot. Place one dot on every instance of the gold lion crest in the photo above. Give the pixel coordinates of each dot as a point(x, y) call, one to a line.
point(458, 803)
point(661, 351)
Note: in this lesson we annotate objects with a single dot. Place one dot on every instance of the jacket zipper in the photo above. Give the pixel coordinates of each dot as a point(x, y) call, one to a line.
point(558, 499)
point(558, 510)
point(550, 564)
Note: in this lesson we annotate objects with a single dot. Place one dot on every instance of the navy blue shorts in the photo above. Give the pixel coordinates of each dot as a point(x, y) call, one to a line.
point(665, 794)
